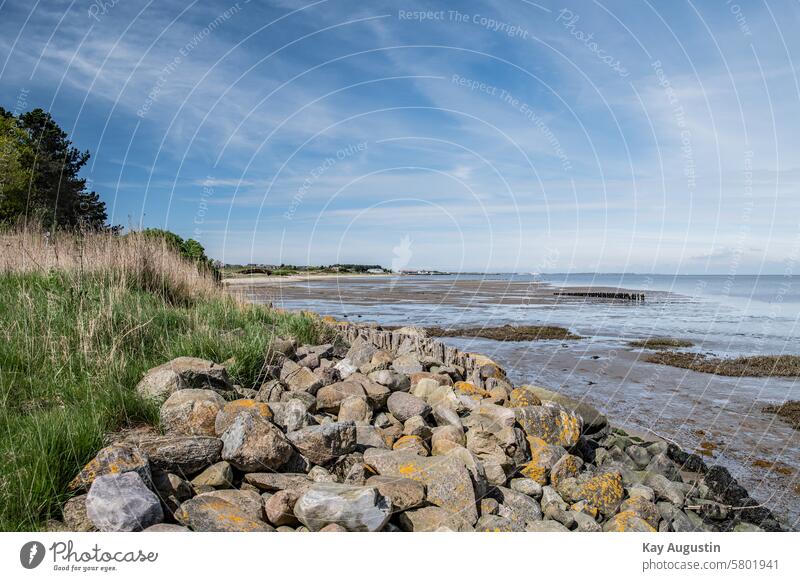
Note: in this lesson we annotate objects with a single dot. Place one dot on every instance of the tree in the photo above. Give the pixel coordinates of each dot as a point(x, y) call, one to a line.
point(13, 175)
point(54, 193)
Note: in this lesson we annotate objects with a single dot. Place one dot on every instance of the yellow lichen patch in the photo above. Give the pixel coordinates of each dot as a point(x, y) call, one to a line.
point(541, 460)
point(604, 492)
point(409, 470)
point(628, 522)
point(643, 508)
point(567, 467)
point(584, 507)
point(234, 407)
point(411, 443)
point(471, 390)
point(555, 426)
point(521, 397)
point(114, 459)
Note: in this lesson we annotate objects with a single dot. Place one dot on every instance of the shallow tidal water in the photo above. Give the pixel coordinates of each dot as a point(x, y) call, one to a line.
point(722, 315)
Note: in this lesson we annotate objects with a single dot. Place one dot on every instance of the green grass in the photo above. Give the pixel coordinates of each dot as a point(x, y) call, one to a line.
point(72, 348)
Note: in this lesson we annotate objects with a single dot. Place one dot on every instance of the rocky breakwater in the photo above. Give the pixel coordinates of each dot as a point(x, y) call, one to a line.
point(391, 431)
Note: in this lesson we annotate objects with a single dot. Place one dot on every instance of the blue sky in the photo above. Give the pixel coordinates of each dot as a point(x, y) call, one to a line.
point(488, 136)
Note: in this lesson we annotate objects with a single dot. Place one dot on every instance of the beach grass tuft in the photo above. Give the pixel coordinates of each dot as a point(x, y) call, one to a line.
point(81, 321)
point(788, 411)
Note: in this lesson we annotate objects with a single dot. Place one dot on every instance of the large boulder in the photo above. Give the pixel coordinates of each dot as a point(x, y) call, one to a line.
point(520, 509)
point(207, 513)
point(593, 419)
point(303, 379)
point(404, 406)
point(432, 519)
point(404, 493)
point(551, 423)
point(113, 459)
point(253, 444)
point(183, 373)
point(230, 410)
point(248, 501)
point(274, 481)
point(321, 444)
point(191, 412)
point(122, 502)
point(330, 397)
point(356, 508)
point(543, 457)
point(447, 480)
point(185, 455)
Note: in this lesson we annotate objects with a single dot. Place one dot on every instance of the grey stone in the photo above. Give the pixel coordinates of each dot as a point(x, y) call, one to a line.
point(252, 444)
point(122, 502)
point(404, 406)
point(274, 481)
point(519, 508)
point(113, 459)
point(207, 513)
point(321, 444)
point(182, 454)
point(490, 523)
point(166, 528)
point(183, 373)
point(75, 517)
point(432, 519)
point(219, 475)
point(403, 493)
point(408, 364)
point(247, 501)
point(355, 508)
point(191, 412)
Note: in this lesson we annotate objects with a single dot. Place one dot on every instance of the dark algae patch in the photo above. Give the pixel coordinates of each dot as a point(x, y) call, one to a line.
point(749, 366)
point(505, 333)
point(661, 343)
point(788, 411)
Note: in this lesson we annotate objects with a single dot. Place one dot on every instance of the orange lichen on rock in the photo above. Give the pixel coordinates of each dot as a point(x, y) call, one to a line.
point(521, 397)
point(553, 424)
point(604, 492)
point(469, 389)
point(628, 522)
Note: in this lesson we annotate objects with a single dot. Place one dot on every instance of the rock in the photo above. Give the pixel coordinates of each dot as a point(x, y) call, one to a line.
point(122, 502)
point(253, 444)
point(182, 454)
point(345, 368)
point(603, 492)
point(417, 426)
point(114, 459)
point(526, 486)
point(183, 373)
point(230, 410)
point(403, 493)
point(166, 528)
point(627, 522)
point(432, 519)
point(593, 421)
point(445, 416)
point(552, 424)
point(449, 484)
point(642, 508)
point(360, 352)
point(404, 406)
point(191, 412)
point(666, 489)
point(568, 466)
point(75, 517)
point(585, 523)
point(219, 475)
point(546, 526)
point(639, 455)
point(408, 364)
point(746, 527)
point(247, 501)
point(371, 437)
point(355, 508)
point(489, 506)
point(330, 397)
point(414, 443)
point(519, 508)
point(321, 444)
point(661, 464)
point(333, 528)
point(273, 481)
point(270, 391)
point(642, 491)
point(320, 474)
point(172, 489)
point(279, 508)
point(521, 397)
point(437, 378)
point(391, 379)
point(445, 438)
point(302, 379)
point(543, 457)
point(489, 523)
point(208, 513)
point(355, 409)
point(292, 415)
point(376, 394)
point(280, 348)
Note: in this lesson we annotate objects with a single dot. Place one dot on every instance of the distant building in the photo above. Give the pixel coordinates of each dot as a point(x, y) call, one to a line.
point(375, 271)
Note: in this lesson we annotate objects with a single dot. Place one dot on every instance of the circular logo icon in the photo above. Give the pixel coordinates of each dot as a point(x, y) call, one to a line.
point(31, 554)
